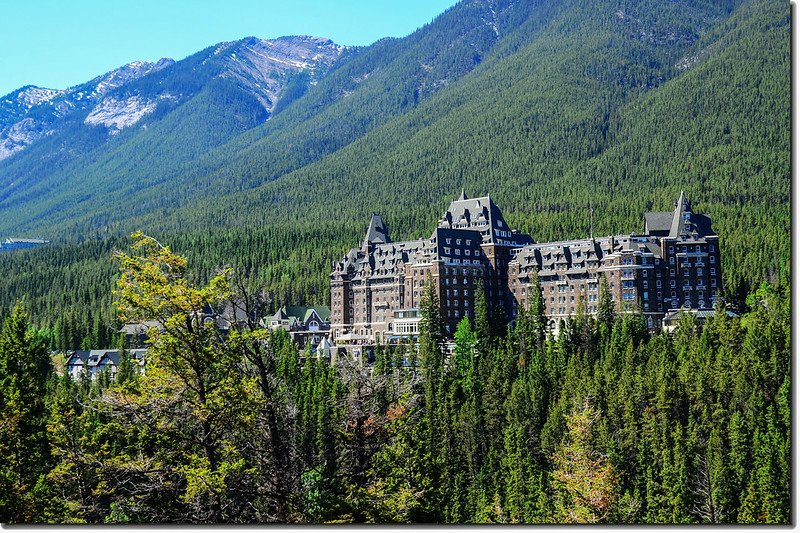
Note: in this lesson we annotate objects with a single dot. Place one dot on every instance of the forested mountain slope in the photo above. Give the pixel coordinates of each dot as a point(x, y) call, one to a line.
point(166, 165)
point(103, 139)
point(547, 106)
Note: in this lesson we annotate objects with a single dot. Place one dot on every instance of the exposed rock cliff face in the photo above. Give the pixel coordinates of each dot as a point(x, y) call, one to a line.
point(262, 66)
point(118, 114)
point(30, 113)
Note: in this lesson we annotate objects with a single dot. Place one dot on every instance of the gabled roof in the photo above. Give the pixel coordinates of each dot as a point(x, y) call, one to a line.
point(658, 224)
point(280, 314)
point(480, 214)
point(681, 222)
point(94, 358)
point(303, 314)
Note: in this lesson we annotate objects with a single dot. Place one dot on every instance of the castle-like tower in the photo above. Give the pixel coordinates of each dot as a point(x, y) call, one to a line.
point(376, 289)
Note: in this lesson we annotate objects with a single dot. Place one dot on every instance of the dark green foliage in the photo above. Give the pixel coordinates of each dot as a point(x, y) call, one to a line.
point(634, 429)
point(24, 368)
point(620, 106)
point(617, 107)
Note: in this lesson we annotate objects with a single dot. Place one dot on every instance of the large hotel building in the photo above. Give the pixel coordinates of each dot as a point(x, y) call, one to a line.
point(376, 289)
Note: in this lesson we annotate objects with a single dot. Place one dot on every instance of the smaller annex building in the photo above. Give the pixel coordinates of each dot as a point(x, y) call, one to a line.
point(307, 326)
point(93, 362)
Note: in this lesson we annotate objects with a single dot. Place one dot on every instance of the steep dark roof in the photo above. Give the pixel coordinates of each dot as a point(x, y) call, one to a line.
point(481, 214)
point(377, 232)
point(679, 222)
point(658, 224)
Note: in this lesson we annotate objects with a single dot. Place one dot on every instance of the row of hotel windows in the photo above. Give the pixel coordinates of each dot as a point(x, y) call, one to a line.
point(688, 247)
point(458, 251)
point(711, 259)
point(455, 292)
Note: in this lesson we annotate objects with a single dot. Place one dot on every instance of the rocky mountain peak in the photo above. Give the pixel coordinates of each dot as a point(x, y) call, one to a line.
point(126, 73)
point(261, 66)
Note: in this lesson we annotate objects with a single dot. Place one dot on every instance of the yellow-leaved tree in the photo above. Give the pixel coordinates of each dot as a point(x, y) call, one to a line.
point(584, 479)
point(193, 404)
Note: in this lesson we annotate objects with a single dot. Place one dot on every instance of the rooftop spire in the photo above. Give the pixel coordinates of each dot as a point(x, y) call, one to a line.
point(463, 195)
point(377, 232)
point(679, 216)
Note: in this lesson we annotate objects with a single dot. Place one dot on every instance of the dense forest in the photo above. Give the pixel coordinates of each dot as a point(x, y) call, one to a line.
point(604, 422)
point(548, 108)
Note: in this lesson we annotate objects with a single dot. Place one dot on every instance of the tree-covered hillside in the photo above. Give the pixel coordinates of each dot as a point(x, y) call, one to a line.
point(546, 106)
point(603, 423)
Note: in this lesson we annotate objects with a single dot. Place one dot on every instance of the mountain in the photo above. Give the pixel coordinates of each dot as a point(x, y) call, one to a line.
point(546, 105)
point(51, 128)
point(30, 113)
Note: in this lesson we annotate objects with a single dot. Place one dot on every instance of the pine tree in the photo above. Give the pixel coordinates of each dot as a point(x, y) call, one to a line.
point(605, 309)
point(24, 368)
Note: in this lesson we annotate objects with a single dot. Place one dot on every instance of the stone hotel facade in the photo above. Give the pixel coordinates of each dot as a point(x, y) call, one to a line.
point(376, 289)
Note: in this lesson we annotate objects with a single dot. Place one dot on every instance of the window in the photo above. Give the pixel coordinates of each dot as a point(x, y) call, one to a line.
point(671, 249)
point(458, 251)
point(713, 271)
point(672, 260)
point(447, 251)
point(713, 259)
point(644, 284)
point(672, 283)
point(713, 282)
point(658, 283)
point(447, 241)
point(458, 241)
point(699, 271)
point(685, 271)
point(671, 271)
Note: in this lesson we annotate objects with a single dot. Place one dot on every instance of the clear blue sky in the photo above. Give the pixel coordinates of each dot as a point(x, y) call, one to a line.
point(60, 43)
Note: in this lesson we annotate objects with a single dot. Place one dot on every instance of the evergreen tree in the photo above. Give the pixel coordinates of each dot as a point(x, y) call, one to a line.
point(24, 367)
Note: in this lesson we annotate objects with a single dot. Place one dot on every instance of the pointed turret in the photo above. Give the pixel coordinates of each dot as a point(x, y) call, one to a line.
point(682, 213)
point(376, 232)
point(463, 195)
